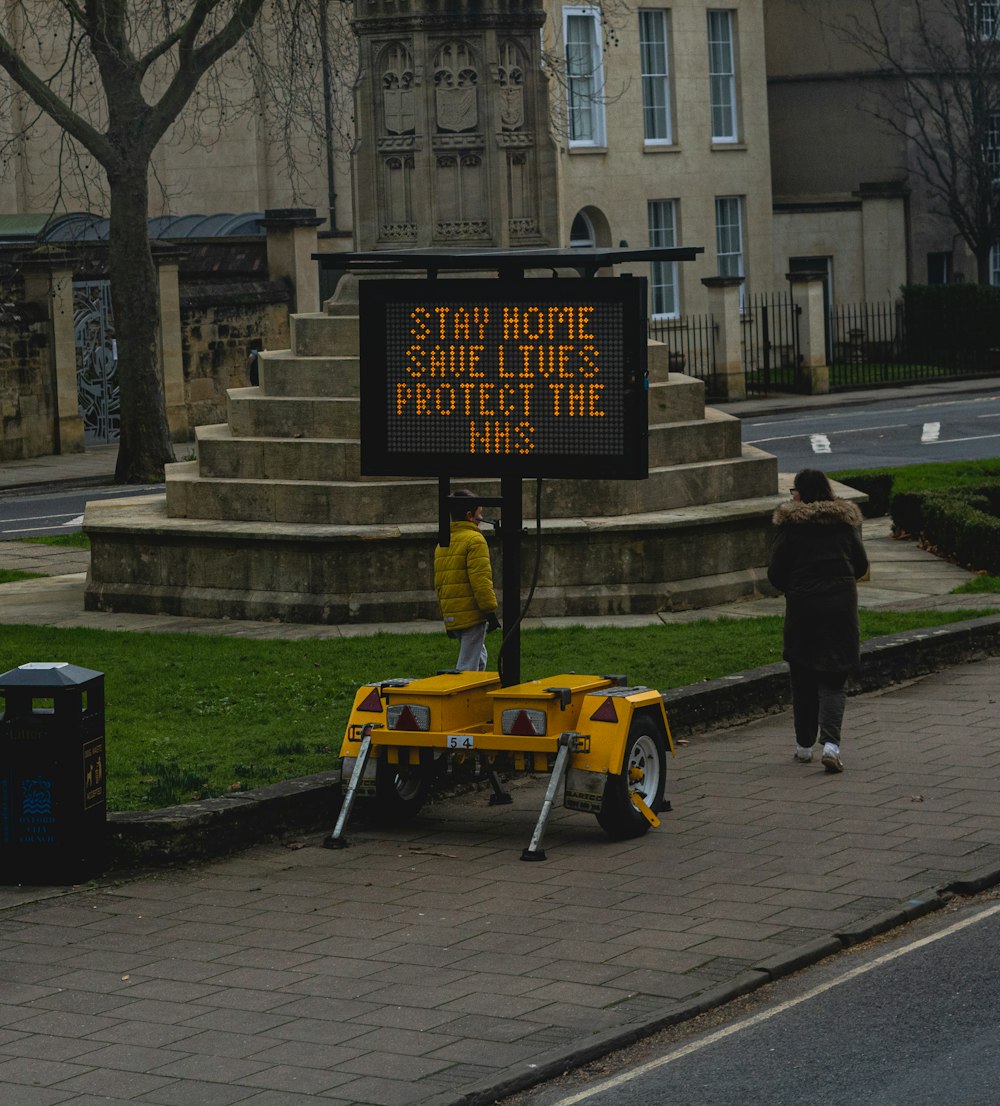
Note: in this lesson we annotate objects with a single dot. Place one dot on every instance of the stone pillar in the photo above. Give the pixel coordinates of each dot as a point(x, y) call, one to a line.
point(171, 344)
point(729, 380)
point(48, 281)
point(291, 242)
point(453, 145)
point(807, 294)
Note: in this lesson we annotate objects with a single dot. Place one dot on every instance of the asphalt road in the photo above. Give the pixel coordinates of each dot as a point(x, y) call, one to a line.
point(883, 434)
point(56, 512)
point(908, 1020)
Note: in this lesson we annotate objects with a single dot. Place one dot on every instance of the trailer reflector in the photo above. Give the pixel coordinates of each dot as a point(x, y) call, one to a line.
point(605, 712)
point(408, 716)
point(523, 722)
point(372, 702)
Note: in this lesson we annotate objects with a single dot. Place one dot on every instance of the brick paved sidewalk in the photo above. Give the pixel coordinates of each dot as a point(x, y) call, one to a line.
point(418, 966)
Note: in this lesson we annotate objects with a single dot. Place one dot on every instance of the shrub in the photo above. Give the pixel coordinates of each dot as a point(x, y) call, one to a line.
point(951, 320)
point(962, 524)
point(876, 484)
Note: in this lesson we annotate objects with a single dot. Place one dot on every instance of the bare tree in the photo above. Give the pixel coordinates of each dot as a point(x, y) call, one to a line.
point(939, 64)
point(115, 76)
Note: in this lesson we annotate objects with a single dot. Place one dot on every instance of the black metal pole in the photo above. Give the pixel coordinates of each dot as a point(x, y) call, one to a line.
point(510, 533)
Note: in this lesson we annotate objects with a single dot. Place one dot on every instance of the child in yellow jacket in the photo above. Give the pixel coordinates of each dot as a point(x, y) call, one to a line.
point(463, 581)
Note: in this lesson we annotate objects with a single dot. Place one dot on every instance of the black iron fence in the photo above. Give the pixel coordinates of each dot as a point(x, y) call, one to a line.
point(874, 344)
point(691, 342)
point(920, 338)
point(771, 354)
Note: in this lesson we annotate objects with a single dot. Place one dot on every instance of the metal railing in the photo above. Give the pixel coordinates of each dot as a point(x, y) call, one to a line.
point(771, 354)
point(691, 342)
point(869, 346)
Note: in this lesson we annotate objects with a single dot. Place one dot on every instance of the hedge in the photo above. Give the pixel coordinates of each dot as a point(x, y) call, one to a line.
point(876, 484)
point(951, 320)
point(962, 524)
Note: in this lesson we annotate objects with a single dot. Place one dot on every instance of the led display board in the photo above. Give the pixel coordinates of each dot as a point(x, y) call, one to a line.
point(508, 377)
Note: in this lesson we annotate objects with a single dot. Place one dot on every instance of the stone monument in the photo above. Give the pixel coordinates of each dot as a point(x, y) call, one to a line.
point(273, 519)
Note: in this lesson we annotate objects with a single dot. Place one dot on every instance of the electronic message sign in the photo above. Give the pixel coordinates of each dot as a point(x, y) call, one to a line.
point(508, 377)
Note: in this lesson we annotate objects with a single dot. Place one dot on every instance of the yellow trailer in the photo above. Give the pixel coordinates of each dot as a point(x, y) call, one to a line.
point(604, 743)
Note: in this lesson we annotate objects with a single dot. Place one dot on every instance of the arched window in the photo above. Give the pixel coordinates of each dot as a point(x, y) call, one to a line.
point(581, 233)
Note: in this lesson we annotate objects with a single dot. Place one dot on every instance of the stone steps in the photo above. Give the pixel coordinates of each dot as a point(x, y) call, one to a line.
point(192, 494)
point(252, 414)
point(223, 455)
point(318, 334)
point(143, 560)
point(283, 373)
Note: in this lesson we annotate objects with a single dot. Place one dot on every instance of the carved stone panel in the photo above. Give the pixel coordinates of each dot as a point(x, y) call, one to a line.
point(455, 88)
point(452, 142)
point(510, 93)
point(399, 109)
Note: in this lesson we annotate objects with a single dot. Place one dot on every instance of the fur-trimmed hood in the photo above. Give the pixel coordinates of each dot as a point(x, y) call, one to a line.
point(826, 512)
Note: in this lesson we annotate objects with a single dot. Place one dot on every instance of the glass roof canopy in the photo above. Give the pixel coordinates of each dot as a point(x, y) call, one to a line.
point(81, 226)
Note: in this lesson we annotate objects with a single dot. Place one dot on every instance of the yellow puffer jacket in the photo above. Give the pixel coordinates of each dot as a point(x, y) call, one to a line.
point(463, 578)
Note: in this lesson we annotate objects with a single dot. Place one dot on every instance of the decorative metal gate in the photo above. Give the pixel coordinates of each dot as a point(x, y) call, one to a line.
point(96, 360)
point(771, 354)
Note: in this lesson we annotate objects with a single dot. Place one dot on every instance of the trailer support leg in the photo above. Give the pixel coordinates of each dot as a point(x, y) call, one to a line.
point(534, 851)
point(336, 840)
point(499, 796)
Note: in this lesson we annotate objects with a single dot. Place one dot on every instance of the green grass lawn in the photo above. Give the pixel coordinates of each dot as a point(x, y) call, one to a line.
point(979, 585)
point(191, 715)
point(77, 540)
point(11, 575)
point(934, 475)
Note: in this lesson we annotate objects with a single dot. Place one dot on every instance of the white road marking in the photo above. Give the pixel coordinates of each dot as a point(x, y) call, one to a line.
point(39, 518)
point(856, 430)
point(78, 521)
point(820, 443)
point(971, 438)
point(767, 1015)
point(930, 433)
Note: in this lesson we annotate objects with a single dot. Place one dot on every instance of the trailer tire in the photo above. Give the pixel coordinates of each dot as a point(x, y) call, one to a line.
point(645, 751)
point(399, 793)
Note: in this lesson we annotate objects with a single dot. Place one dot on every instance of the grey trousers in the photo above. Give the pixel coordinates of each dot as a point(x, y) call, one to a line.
point(818, 701)
point(471, 648)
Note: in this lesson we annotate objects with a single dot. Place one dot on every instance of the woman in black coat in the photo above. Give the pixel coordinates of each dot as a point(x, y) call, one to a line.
point(816, 559)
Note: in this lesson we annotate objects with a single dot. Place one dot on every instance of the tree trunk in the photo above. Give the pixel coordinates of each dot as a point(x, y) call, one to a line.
point(144, 447)
point(983, 265)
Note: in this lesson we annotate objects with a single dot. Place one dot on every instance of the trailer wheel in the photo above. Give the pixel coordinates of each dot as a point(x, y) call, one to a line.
point(400, 791)
point(644, 772)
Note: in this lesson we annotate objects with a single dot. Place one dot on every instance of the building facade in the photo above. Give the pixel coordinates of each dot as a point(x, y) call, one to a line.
point(657, 134)
point(660, 118)
point(839, 145)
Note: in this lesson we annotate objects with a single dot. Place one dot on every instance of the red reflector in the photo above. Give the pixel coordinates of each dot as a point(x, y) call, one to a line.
point(372, 702)
point(522, 725)
point(406, 720)
point(605, 712)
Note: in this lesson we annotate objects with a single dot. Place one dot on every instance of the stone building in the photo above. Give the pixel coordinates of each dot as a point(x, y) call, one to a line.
point(655, 132)
point(849, 193)
point(660, 119)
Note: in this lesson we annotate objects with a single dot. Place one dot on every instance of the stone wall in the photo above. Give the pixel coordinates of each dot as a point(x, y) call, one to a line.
point(220, 325)
point(27, 388)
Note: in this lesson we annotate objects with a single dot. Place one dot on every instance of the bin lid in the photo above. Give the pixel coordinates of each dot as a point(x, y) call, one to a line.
point(48, 674)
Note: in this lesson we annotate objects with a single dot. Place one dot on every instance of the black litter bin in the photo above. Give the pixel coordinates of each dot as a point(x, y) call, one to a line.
point(53, 806)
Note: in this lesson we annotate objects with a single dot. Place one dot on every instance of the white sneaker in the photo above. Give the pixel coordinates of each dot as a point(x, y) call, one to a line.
point(802, 754)
point(831, 758)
